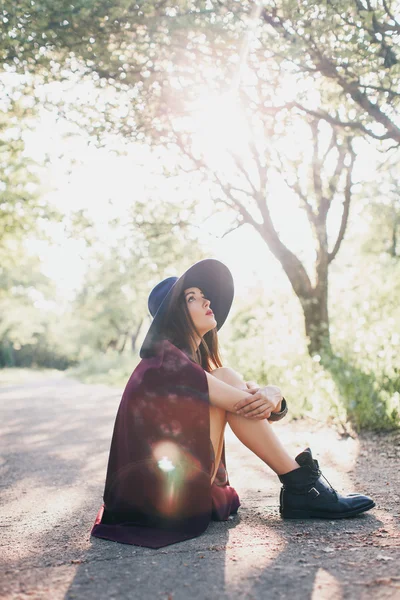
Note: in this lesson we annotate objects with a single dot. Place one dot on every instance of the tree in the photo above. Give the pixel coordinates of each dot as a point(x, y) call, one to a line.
point(325, 186)
point(383, 212)
point(156, 242)
point(353, 46)
point(22, 285)
point(148, 49)
point(319, 175)
point(160, 58)
point(22, 209)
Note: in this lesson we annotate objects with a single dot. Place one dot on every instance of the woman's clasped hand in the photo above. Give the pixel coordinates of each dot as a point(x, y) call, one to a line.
point(262, 403)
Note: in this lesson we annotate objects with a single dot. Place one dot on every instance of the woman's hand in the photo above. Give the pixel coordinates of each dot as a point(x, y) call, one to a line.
point(251, 385)
point(264, 401)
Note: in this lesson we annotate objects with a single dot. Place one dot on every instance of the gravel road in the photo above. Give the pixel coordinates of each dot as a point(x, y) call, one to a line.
point(55, 438)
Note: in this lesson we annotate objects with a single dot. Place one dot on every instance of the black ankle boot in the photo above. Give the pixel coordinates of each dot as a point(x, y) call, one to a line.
point(304, 495)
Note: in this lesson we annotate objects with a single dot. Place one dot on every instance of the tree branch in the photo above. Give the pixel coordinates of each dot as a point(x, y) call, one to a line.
point(233, 228)
point(350, 84)
point(329, 70)
point(296, 187)
point(333, 182)
point(241, 168)
point(335, 121)
point(316, 163)
point(332, 144)
point(227, 190)
point(292, 265)
point(346, 204)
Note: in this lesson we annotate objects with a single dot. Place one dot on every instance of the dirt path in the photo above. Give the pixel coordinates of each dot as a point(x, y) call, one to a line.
point(55, 437)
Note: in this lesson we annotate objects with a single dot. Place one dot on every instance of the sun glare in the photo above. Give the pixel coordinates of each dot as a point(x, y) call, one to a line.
point(219, 125)
point(220, 131)
point(221, 134)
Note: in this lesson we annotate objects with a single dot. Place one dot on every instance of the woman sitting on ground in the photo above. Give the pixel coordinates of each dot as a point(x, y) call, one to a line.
point(166, 475)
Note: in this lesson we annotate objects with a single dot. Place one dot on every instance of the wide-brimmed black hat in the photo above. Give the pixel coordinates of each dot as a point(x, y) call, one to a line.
point(211, 276)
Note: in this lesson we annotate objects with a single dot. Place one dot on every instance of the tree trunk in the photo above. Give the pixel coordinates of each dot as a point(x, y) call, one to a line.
point(395, 224)
point(135, 334)
point(124, 339)
point(316, 319)
point(316, 311)
point(314, 300)
point(111, 344)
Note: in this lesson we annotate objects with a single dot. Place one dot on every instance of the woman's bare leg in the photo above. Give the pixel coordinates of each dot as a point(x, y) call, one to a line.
point(217, 430)
point(257, 435)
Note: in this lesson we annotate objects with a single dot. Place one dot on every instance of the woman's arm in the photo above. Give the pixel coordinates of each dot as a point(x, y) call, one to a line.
point(224, 395)
point(237, 401)
point(253, 387)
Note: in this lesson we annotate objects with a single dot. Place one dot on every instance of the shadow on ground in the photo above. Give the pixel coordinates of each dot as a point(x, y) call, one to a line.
point(56, 437)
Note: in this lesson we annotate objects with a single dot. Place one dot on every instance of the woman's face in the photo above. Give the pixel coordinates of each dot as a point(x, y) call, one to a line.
point(200, 310)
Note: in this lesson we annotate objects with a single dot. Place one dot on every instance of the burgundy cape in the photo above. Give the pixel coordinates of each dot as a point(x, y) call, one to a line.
point(158, 486)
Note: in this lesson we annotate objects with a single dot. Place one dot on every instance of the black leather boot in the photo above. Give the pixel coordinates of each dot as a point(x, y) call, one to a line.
point(304, 495)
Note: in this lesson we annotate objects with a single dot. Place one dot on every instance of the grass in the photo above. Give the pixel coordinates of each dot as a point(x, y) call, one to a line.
point(109, 369)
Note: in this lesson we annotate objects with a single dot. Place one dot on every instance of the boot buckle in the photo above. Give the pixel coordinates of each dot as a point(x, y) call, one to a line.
point(315, 493)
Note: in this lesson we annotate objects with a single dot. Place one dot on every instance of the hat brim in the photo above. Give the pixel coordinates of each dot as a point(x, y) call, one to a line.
point(216, 282)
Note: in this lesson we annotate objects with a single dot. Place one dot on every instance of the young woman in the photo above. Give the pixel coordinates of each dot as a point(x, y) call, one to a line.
point(166, 475)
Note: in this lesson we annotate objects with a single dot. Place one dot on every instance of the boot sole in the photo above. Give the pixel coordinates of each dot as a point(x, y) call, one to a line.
point(309, 514)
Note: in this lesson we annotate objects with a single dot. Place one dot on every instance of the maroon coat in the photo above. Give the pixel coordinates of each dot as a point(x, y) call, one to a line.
point(157, 490)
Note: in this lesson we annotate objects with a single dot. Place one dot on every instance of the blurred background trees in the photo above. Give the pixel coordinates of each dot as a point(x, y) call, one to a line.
point(272, 120)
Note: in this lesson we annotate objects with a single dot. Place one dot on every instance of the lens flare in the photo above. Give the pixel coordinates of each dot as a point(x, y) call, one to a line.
point(175, 468)
point(169, 459)
point(165, 464)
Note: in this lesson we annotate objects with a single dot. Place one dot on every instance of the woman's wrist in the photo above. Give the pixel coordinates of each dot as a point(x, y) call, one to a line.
point(276, 416)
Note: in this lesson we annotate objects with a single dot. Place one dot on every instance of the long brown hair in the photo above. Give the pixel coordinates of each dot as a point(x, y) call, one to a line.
point(178, 327)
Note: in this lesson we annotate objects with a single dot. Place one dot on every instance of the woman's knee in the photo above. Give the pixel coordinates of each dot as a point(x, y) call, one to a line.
point(229, 376)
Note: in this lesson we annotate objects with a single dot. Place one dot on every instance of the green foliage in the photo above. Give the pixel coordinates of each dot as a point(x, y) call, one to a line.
point(22, 209)
point(366, 333)
point(344, 59)
point(371, 399)
point(112, 368)
point(23, 213)
point(105, 305)
point(360, 381)
point(110, 310)
point(264, 340)
point(29, 335)
point(39, 353)
point(146, 51)
point(382, 212)
point(350, 50)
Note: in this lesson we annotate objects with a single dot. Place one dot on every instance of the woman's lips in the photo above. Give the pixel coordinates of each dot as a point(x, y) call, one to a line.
point(209, 312)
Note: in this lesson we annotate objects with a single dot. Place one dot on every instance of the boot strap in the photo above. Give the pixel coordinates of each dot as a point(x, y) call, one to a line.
point(305, 491)
point(302, 491)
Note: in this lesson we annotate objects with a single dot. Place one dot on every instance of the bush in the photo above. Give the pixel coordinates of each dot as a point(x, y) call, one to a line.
point(111, 368)
point(359, 383)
